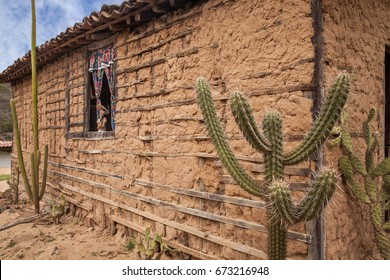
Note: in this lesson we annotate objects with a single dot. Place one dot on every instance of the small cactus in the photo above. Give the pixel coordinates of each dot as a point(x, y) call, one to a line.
point(13, 183)
point(282, 211)
point(368, 189)
point(34, 190)
point(57, 209)
point(149, 248)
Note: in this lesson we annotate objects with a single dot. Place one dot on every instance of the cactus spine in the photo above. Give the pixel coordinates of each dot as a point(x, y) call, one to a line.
point(269, 141)
point(35, 190)
point(352, 167)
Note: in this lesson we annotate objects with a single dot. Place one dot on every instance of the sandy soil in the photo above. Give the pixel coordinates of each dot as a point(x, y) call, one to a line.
point(43, 240)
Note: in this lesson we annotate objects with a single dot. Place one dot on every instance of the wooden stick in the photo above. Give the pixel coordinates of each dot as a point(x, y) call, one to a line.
point(23, 221)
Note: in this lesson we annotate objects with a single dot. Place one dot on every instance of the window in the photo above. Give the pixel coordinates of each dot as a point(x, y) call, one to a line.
point(101, 93)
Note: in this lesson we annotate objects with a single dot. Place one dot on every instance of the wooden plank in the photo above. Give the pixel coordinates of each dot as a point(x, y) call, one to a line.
point(205, 195)
point(298, 186)
point(172, 244)
point(191, 230)
point(86, 170)
point(140, 66)
point(159, 106)
point(170, 24)
point(191, 211)
point(280, 90)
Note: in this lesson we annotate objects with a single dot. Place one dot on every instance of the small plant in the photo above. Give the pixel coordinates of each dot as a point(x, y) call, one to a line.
point(46, 238)
point(364, 178)
point(57, 209)
point(149, 248)
point(13, 183)
point(10, 244)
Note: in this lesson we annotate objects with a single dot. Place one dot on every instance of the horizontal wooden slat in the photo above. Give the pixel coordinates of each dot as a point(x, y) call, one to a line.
point(191, 211)
point(204, 195)
point(191, 230)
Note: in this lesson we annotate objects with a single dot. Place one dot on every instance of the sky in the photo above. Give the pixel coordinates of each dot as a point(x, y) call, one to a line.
point(53, 17)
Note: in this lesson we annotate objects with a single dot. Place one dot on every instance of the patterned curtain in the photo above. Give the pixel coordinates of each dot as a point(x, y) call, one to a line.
point(100, 63)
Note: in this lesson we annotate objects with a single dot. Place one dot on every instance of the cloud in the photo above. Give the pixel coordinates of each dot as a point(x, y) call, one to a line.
point(53, 17)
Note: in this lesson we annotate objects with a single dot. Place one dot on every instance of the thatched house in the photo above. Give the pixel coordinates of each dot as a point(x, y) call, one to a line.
point(152, 162)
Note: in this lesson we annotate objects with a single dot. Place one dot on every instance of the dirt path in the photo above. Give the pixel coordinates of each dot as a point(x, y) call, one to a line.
point(43, 240)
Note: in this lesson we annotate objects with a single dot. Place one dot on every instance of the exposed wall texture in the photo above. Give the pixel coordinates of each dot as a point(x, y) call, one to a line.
point(355, 35)
point(160, 168)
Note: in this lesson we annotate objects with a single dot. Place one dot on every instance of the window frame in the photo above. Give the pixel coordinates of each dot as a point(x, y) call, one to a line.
point(87, 100)
point(87, 134)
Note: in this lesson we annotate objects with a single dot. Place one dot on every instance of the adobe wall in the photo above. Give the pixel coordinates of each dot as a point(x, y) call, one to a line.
point(355, 35)
point(161, 169)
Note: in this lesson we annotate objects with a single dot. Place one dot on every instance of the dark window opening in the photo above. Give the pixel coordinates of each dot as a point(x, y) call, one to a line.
point(387, 114)
point(92, 106)
point(105, 101)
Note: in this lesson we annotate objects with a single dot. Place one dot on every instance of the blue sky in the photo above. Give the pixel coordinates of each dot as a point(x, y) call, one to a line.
point(53, 17)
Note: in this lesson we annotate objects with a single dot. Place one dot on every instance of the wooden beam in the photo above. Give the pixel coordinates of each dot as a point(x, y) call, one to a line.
point(99, 35)
point(143, 17)
point(118, 27)
point(177, 3)
point(188, 229)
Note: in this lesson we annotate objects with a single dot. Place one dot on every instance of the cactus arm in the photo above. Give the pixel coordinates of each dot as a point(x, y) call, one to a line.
point(34, 90)
point(347, 170)
point(19, 150)
point(281, 208)
point(366, 127)
point(35, 194)
point(322, 127)
point(382, 240)
point(318, 197)
point(357, 164)
point(311, 206)
point(44, 174)
point(382, 169)
point(272, 126)
point(244, 118)
point(219, 140)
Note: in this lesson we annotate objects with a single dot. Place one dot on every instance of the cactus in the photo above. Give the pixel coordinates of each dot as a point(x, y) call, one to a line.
point(282, 211)
point(368, 191)
point(34, 190)
point(13, 183)
point(57, 209)
point(149, 248)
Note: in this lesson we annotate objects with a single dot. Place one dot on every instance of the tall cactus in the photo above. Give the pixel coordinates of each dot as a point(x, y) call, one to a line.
point(35, 190)
point(282, 211)
point(368, 192)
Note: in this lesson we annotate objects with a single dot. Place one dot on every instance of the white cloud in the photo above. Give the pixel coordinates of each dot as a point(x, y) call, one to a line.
point(53, 17)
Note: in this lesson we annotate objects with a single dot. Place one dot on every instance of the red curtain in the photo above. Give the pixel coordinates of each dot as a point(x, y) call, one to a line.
point(101, 62)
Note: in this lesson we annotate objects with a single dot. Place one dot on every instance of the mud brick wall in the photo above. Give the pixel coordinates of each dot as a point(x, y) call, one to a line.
point(355, 36)
point(160, 169)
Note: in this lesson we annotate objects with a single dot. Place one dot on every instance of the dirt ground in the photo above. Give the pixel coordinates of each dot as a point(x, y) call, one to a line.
point(43, 240)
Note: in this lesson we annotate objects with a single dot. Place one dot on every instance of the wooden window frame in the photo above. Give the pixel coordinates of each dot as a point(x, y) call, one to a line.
point(86, 134)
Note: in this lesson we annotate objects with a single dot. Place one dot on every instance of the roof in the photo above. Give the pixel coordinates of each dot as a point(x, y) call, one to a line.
point(5, 144)
point(97, 26)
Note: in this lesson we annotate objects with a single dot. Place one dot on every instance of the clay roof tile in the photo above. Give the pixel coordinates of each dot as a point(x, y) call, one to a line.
point(108, 13)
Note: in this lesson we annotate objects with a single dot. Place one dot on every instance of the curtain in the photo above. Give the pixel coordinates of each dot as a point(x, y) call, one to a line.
point(101, 62)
